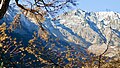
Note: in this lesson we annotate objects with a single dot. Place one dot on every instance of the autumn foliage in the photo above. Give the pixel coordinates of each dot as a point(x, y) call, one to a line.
point(14, 53)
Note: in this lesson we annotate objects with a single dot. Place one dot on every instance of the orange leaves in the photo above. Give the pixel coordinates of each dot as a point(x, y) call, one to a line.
point(1, 45)
point(68, 54)
point(43, 34)
point(36, 18)
point(31, 41)
point(3, 27)
point(40, 18)
point(15, 23)
point(29, 50)
point(70, 59)
point(3, 35)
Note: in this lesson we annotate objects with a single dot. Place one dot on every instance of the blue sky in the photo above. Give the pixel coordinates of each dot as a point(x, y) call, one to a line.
point(100, 5)
point(96, 5)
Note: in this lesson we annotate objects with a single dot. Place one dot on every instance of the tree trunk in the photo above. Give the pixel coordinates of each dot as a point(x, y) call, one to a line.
point(4, 4)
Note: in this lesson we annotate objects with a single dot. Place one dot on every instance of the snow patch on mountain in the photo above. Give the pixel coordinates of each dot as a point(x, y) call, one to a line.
point(77, 28)
point(93, 27)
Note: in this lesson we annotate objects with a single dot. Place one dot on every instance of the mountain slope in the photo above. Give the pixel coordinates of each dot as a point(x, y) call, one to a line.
point(80, 29)
point(96, 28)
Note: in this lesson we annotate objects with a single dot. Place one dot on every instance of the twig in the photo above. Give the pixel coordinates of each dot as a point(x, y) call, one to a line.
point(100, 56)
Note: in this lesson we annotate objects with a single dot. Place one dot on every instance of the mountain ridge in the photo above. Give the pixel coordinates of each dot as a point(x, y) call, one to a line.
point(75, 27)
point(95, 27)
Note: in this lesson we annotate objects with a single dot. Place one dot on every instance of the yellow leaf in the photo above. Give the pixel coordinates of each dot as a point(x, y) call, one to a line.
point(1, 45)
point(70, 59)
point(67, 55)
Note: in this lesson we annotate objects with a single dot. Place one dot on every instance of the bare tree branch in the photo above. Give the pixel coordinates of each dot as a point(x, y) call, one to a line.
point(100, 56)
point(4, 4)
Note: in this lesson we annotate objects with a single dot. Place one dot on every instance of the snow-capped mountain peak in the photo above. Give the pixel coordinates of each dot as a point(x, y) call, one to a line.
point(78, 27)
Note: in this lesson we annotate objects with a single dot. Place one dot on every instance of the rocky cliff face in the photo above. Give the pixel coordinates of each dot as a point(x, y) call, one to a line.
point(90, 30)
point(98, 28)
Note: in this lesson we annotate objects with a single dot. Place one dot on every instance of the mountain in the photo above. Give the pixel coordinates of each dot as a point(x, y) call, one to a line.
point(97, 28)
point(91, 31)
